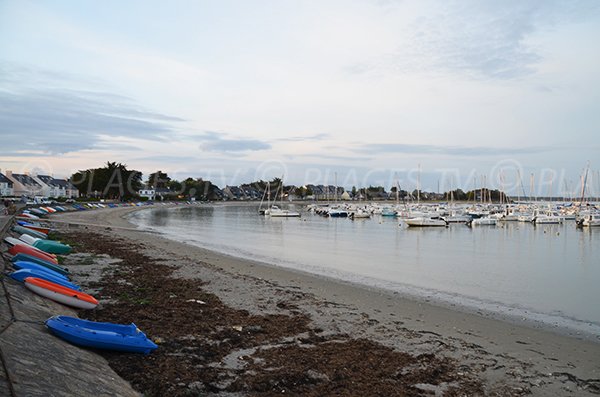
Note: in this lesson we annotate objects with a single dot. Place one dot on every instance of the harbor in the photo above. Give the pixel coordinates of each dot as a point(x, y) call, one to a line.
point(485, 353)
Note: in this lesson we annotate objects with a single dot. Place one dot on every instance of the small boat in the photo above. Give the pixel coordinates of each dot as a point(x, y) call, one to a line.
point(32, 251)
point(23, 230)
point(359, 214)
point(22, 274)
point(276, 212)
point(485, 221)
point(591, 220)
point(99, 335)
point(55, 269)
point(61, 294)
point(426, 222)
point(37, 228)
point(52, 247)
point(20, 257)
point(38, 212)
point(28, 216)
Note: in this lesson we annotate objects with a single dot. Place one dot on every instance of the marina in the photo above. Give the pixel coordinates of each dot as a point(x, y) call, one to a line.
point(539, 272)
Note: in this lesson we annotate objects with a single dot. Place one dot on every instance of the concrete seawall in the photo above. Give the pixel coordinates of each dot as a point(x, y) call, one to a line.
point(33, 362)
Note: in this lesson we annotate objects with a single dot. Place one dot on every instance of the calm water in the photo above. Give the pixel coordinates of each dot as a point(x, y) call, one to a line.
point(547, 273)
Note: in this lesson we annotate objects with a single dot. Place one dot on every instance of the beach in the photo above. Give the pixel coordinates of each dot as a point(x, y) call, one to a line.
point(240, 326)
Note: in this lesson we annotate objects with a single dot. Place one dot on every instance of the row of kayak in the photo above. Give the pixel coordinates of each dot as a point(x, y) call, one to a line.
point(34, 258)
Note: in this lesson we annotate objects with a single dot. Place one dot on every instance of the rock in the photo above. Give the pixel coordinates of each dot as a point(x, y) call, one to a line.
point(253, 328)
point(317, 376)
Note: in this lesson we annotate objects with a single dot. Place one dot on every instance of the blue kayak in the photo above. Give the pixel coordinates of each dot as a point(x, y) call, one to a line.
point(109, 336)
point(21, 257)
point(22, 274)
point(36, 266)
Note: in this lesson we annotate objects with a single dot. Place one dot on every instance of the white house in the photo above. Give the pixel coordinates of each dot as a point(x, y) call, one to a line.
point(6, 186)
point(24, 185)
point(50, 188)
point(148, 193)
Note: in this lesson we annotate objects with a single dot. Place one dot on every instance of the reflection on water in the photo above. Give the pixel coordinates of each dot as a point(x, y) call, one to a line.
point(546, 269)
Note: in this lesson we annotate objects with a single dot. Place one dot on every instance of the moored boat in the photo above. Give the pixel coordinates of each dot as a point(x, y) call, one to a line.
point(426, 222)
point(100, 335)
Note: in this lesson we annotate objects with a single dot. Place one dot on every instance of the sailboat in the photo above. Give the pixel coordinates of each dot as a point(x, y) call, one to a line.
point(277, 212)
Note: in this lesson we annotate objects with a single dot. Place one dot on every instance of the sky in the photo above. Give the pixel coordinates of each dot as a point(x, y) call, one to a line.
point(434, 94)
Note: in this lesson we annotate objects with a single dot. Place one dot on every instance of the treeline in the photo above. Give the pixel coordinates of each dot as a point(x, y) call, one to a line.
point(115, 181)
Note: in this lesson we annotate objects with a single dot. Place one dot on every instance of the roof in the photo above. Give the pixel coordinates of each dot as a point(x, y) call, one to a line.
point(25, 180)
point(4, 179)
point(63, 183)
point(48, 180)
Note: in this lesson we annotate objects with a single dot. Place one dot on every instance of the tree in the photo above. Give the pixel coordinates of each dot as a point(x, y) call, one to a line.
point(158, 180)
point(112, 181)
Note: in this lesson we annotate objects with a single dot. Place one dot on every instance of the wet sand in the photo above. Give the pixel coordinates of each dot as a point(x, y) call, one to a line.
point(277, 314)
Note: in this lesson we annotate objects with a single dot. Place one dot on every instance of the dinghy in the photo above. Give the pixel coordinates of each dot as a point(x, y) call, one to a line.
point(58, 293)
point(32, 251)
point(22, 274)
point(52, 247)
point(38, 261)
point(55, 270)
point(24, 230)
point(99, 335)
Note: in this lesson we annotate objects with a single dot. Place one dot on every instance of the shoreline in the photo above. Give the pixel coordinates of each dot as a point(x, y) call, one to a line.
point(529, 353)
point(519, 316)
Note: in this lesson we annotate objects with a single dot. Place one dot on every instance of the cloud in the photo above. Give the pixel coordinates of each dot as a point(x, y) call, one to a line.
point(315, 137)
point(217, 142)
point(477, 38)
point(40, 112)
point(399, 148)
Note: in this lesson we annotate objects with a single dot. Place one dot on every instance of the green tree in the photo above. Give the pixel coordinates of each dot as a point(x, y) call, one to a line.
point(113, 181)
point(158, 180)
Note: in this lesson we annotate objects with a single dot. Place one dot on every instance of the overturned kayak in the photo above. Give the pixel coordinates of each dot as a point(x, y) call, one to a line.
point(54, 270)
point(32, 259)
point(32, 251)
point(100, 335)
point(22, 274)
point(34, 233)
point(61, 294)
point(49, 246)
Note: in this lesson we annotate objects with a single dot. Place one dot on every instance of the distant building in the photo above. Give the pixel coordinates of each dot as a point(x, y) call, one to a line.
point(24, 185)
point(6, 186)
point(67, 187)
point(50, 188)
point(154, 194)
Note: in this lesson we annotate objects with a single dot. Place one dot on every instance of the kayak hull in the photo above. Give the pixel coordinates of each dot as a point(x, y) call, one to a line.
point(32, 259)
point(98, 335)
point(22, 274)
point(60, 294)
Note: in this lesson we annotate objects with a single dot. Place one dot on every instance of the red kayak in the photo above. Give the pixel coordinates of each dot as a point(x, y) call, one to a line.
point(29, 250)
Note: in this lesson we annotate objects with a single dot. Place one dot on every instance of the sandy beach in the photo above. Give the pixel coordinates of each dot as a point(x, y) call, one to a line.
point(247, 328)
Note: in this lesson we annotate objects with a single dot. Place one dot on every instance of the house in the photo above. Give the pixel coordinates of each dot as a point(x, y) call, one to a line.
point(148, 193)
point(24, 185)
point(233, 193)
point(50, 188)
point(346, 196)
point(67, 187)
point(6, 186)
point(154, 194)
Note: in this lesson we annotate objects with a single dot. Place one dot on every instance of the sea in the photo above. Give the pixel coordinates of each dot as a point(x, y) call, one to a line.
point(547, 275)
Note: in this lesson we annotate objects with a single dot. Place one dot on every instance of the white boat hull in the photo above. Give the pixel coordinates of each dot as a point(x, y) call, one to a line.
point(60, 298)
point(425, 222)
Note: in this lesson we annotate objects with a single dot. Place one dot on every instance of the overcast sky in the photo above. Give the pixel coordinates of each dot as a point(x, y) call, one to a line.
point(363, 91)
